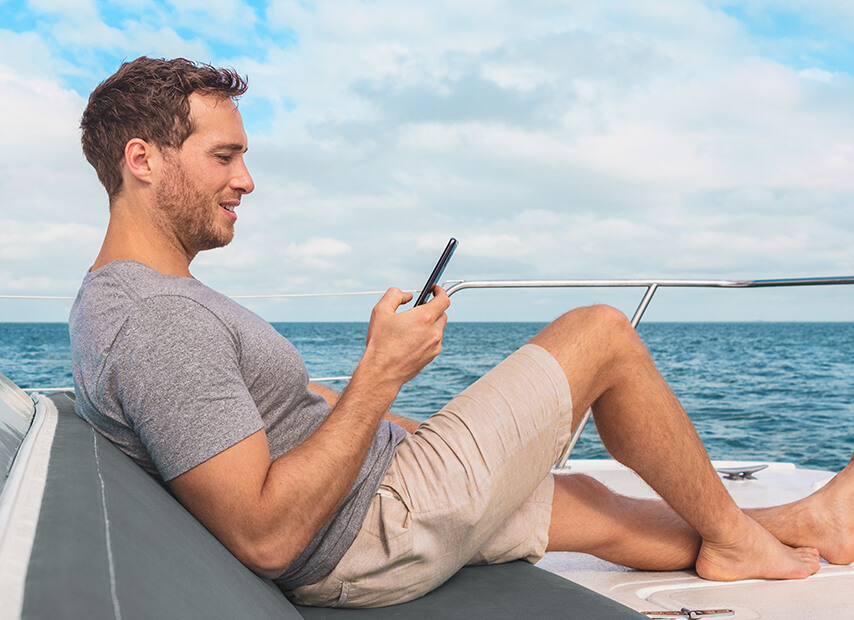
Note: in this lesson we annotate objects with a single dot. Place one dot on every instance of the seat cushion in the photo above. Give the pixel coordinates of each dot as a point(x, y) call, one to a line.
point(111, 542)
point(513, 590)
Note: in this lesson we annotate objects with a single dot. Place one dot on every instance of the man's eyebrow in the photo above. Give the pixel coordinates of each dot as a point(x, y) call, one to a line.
point(236, 146)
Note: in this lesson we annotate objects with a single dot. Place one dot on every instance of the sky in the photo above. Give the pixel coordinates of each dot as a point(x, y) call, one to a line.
point(555, 140)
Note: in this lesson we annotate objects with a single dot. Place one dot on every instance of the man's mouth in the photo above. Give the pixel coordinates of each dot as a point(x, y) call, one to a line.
point(229, 208)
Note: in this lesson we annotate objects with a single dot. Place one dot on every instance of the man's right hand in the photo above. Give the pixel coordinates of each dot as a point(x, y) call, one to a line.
point(400, 344)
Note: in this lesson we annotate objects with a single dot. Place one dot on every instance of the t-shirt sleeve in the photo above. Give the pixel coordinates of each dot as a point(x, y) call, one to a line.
point(176, 370)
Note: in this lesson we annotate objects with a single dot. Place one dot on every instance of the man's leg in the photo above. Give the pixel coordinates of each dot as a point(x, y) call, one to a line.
point(647, 534)
point(824, 520)
point(643, 425)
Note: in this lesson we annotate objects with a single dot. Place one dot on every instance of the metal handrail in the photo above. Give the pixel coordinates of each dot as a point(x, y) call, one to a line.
point(452, 286)
point(458, 285)
point(651, 287)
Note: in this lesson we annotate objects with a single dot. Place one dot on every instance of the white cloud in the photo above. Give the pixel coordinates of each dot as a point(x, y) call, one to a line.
point(43, 174)
point(32, 58)
point(83, 29)
point(220, 20)
point(319, 248)
point(819, 75)
point(553, 139)
point(318, 254)
point(34, 240)
point(79, 10)
point(161, 42)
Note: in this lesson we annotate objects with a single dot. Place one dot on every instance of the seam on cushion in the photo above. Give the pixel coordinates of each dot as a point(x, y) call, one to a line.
point(117, 611)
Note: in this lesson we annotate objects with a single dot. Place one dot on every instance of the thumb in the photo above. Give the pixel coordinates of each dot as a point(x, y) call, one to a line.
point(393, 299)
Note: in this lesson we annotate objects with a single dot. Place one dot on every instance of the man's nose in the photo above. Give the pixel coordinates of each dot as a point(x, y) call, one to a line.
point(243, 182)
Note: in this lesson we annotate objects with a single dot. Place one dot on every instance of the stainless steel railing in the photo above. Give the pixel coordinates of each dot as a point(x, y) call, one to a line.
point(651, 287)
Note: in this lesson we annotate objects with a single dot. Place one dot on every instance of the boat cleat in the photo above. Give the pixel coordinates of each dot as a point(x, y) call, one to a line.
point(740, 473)
point(690, 613)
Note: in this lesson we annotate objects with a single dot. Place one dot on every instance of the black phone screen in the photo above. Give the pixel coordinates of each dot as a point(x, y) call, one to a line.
point(427, 290)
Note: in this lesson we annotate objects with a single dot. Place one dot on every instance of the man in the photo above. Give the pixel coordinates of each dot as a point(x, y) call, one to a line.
point(337, 500)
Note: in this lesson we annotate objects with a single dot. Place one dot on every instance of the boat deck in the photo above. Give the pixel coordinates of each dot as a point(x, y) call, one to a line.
point(827, 594)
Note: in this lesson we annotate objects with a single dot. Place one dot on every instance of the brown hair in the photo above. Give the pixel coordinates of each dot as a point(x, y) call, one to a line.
point(147, 99)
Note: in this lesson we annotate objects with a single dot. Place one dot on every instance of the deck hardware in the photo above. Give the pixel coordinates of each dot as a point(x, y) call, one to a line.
point(694, 614)
point(740, 473)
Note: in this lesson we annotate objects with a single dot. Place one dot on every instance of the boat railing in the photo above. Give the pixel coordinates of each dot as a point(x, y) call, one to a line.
point(651, 287)
point(455, 286)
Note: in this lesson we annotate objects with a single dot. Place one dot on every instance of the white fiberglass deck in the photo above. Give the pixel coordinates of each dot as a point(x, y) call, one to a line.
point(827, 594)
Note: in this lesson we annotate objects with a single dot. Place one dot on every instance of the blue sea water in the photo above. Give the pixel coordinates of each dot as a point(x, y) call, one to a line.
point(755, 391)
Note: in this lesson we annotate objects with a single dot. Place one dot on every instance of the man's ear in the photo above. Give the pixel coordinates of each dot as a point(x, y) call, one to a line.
point(141, 159)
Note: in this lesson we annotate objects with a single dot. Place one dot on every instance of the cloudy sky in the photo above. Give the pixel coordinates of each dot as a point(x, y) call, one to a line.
point(554, 139)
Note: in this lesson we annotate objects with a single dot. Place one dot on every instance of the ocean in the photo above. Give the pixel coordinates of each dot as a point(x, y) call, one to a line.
point(755, 391)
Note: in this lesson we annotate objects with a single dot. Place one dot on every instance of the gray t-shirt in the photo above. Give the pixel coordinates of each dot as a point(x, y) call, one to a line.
point(174, 373)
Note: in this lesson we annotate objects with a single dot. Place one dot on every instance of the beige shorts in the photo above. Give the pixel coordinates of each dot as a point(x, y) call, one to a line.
point(470, 486)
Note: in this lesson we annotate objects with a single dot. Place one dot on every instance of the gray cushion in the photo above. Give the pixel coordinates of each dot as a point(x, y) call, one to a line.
point(164, 563)
point(112, 542)
point(515, 590)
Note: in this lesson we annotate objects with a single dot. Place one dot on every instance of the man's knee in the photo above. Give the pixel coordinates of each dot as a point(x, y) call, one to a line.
point(593, 345)
point(600, 316)
point(592, 323)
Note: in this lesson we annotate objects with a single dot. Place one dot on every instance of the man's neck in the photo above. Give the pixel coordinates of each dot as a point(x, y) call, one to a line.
point(131, 235)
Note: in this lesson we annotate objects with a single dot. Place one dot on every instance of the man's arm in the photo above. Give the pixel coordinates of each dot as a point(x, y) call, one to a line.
point(331, 396)
point(265, 511)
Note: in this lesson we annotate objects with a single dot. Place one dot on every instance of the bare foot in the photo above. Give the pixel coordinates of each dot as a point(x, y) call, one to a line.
point(824, 520)
point(756, 555)
point(832, 511)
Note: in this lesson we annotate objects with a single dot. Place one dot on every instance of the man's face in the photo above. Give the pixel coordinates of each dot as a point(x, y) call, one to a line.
point(203, 181)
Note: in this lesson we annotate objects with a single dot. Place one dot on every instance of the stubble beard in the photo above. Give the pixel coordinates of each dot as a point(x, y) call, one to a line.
point(188, 214)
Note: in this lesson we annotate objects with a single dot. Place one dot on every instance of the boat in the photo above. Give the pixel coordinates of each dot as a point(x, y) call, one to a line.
point(86, 533)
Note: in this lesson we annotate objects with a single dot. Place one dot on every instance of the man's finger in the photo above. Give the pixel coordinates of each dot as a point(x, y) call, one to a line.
point(394, 298)
point(440, 301)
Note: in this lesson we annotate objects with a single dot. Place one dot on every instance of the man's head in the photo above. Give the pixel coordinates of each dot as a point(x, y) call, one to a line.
point(147, 99)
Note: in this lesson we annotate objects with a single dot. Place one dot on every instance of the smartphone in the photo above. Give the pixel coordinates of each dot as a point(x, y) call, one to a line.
point(427, 290)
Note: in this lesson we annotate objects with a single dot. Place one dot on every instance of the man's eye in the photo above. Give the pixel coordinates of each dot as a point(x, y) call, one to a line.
point(224, 158)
